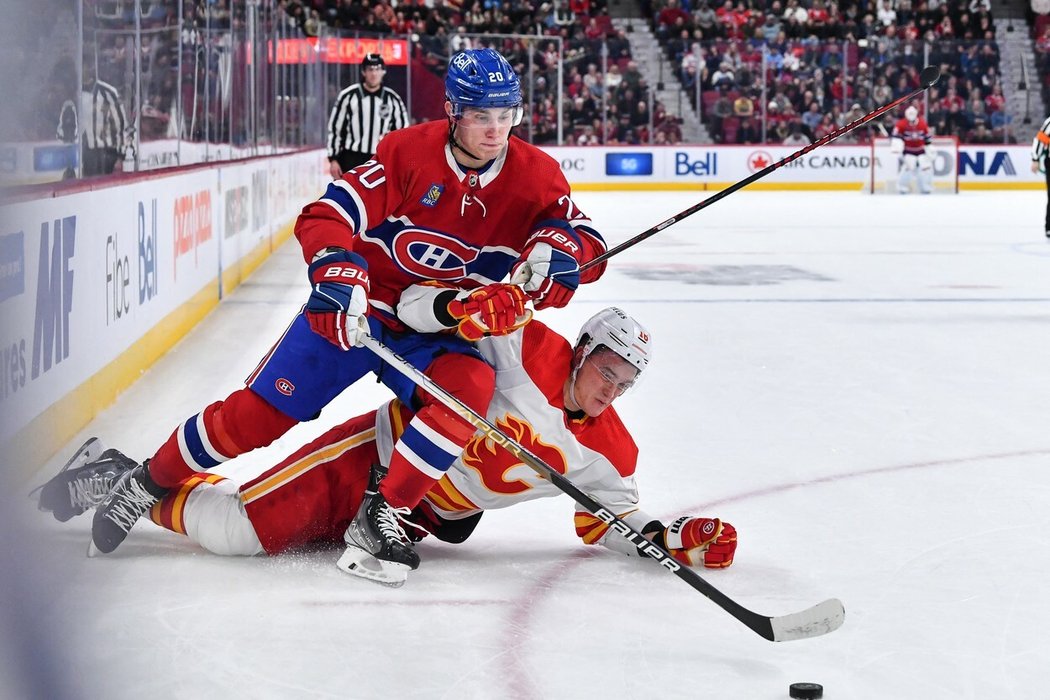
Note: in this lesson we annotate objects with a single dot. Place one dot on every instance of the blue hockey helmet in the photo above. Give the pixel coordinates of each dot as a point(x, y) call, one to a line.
point(482, 78)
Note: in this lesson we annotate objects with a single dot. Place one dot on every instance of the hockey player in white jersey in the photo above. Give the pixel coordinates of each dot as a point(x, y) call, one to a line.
point(553, 398)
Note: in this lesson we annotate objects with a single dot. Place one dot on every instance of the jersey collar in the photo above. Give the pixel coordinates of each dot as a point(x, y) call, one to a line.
point(491, 171)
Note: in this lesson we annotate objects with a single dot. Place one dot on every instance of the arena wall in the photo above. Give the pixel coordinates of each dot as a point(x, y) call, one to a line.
point(97, 281)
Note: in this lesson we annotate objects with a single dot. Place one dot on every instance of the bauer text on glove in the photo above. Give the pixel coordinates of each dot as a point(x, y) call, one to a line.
point(549, 266)
point(338, 302)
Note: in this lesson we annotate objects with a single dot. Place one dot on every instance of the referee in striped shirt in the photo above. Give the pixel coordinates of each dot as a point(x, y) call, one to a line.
point(362, 115)
point(103, 126)
point(1041, 159)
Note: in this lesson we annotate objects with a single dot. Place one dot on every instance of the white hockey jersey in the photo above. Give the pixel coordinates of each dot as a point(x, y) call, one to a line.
point(597, 454)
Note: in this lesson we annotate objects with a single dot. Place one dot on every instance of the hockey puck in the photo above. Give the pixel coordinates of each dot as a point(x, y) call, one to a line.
point(810, 691)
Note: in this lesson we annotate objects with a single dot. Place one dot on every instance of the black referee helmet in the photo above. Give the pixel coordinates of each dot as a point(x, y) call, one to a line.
point(372, 59)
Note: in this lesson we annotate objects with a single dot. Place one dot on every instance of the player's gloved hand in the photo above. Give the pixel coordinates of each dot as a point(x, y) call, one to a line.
point(339, 300)
point(696, 541)
point(496, 309)
point(549, 267)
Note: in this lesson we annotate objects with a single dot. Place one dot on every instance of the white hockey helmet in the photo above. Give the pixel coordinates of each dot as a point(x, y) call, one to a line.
point(911, 114)
point(614, 329)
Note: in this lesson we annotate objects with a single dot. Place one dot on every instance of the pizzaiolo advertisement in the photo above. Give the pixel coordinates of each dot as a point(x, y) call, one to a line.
point(832, 167)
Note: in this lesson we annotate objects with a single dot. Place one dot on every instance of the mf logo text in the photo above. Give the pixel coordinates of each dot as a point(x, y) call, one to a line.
point(54, 294)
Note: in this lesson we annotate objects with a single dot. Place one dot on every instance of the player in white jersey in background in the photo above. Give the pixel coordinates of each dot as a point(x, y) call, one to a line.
point(551, 397)
point(910, 137)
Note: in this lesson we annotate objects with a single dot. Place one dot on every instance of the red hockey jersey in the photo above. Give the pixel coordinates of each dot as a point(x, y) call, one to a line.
point(415, 214)
point(915, 136)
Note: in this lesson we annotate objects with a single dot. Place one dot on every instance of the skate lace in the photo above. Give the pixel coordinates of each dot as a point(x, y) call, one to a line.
point(389, 520)
point(129, 506)
point(89, 492)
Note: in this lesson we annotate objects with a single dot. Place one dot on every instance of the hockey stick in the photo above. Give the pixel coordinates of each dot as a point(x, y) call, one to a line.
point(929, 76)
point(820, 619)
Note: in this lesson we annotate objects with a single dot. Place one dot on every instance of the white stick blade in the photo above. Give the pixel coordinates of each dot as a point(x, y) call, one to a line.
point(820, 619)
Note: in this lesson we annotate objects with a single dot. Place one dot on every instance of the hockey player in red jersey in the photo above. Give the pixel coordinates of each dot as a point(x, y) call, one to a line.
point(459, 203)
point(553, 398)
point(909, 140)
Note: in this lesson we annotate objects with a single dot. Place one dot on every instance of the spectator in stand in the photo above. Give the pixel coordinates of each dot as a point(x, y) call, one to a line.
point(671, 19)
point(886, 12)
point(671, 129)
point(882, 93)
point(632, 77)
point(795, 136)
point(723, 77)
point(743, 107)
point(771, 27)
point(976, 113)
point(980, 134)
point(748, 133)
point(588, 137)
point(813, 117)
point(995, 102)
point(955, 122)
point(707, 21)
point(720, 110)
point(951, 97)
point(826, 126)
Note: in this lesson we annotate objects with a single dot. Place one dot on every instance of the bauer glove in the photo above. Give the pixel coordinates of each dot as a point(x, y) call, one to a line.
point(338, 303)
point(696, 541)
point(549, 266)
point(496, 309)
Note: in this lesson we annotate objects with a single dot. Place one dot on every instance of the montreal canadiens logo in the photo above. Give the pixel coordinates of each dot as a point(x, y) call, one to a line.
point(432, 255)
point(284, 386)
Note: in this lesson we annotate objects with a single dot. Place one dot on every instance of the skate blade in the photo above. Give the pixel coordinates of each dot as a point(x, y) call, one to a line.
point(358, 562)
point(92, 550)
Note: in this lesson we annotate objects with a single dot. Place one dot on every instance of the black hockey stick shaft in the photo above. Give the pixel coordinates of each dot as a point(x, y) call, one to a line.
point(818, 620)
point(929, 76)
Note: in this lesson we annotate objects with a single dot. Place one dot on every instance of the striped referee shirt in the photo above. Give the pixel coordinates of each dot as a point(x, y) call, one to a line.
point(1041, 142)
point(360, 118)
point(102, 118)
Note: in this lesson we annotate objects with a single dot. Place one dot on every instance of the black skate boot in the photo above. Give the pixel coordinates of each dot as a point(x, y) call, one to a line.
point(84, 482)
point(377, 547)
point(132, 495)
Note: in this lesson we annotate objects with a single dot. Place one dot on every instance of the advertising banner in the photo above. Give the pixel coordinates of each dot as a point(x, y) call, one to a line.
point(831, 167)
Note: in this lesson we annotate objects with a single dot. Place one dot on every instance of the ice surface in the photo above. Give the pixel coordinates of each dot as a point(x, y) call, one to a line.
point(859, 384)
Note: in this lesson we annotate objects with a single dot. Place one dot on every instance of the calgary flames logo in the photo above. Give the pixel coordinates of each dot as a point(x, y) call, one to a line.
point(493, 463)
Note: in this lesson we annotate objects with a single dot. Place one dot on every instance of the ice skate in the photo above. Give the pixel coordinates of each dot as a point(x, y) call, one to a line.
point(84, 481)
point(133, 494)
point(377, 547)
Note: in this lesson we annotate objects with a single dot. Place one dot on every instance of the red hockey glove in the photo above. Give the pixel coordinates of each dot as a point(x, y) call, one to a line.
point(549, 267)
point(496, 309)
point(338, 303)
point(696, 541)
point(593, 246)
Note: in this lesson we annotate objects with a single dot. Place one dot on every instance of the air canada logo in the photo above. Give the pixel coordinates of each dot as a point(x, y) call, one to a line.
point(432, 255)
point(284, 386)
point(494, 464)
point(759, 160)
